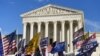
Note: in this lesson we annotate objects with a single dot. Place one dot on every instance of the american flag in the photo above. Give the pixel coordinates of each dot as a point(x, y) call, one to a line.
point(91, 38)
point(9, 43)
point(78, 44)
point(78, 33)
point(81, 40)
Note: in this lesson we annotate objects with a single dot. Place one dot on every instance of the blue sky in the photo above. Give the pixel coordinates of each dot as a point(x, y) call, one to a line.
point(10, 11)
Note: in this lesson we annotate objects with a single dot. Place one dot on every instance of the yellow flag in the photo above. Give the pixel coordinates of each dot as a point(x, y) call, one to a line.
point(33, 44)
point(86, 36)
point(35, 40)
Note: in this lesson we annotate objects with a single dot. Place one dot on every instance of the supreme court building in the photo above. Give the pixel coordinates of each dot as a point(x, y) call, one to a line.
point(56, 22)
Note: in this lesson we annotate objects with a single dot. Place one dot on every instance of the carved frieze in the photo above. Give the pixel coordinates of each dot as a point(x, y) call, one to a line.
point(50, 11)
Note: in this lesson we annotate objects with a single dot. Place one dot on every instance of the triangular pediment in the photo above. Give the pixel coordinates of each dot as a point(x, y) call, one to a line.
point(50, 10)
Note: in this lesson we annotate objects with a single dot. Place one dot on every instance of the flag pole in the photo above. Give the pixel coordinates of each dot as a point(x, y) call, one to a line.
point(2, 43)
point(17, 40)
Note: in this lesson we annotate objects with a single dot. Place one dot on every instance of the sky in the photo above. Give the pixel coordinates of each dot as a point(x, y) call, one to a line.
point(10, 11)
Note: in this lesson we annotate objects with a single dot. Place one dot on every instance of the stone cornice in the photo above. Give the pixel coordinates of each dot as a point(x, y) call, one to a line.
point(51, 10)
point(52, 15)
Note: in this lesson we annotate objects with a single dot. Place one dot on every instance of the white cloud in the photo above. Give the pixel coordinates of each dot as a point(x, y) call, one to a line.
point(92, 25)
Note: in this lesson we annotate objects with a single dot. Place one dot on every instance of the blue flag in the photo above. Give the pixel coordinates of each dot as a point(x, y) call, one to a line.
point(44, 42)
point(59, 47)
point(88, 46)
point(1, 46)
point(87, 52)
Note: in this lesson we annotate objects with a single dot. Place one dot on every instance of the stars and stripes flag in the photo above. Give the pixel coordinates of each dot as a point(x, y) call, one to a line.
point(78, 33)
point(89, 43)
point(88, 46)
point(91, 38)
point(88, 49)
point(80, 41)
point(9, 43)
point(78, 36)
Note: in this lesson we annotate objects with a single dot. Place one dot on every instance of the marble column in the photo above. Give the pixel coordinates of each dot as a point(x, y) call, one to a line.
point(79, 24)
point(46, 35)
point(63, 31)
point(31, 30)
point(46, 29)
point(39, 27)
point(55, 32)
point(71, 36)
point(24, 32)
point(68, 41)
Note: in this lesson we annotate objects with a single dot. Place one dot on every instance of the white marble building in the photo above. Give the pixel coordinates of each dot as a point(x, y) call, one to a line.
point(56, 22)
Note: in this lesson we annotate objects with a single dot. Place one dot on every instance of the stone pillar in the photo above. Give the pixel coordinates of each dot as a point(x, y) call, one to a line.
point(39, 27)
point(46, 35)
point(55, 31)
point(79, 24)
point(46, 29)
point(24, 32)
point(63, 31)
point(31, 30)
point(71, 36)
point(68, 41)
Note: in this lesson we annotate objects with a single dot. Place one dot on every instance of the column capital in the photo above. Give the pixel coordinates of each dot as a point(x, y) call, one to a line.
point(39, 22)
point(62, 21)
point(25, 23)
point(79, 20)
point(46, 22)
point(39, 26)
point(70, 20)
point(31, 22)
point(54, 21)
